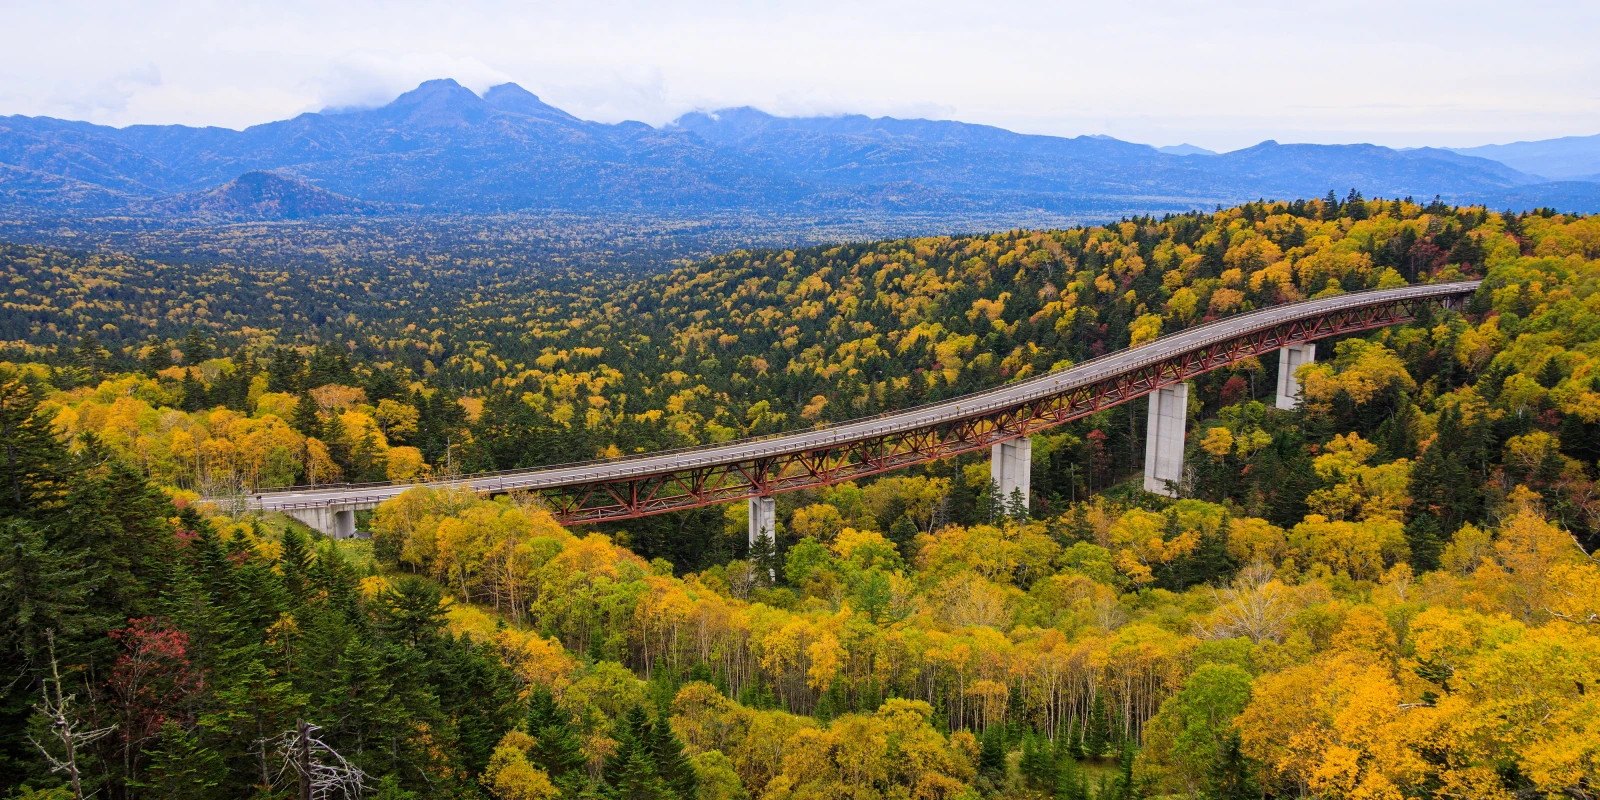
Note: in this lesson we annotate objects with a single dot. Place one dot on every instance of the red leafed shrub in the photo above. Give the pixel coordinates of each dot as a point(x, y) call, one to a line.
point(152, 679)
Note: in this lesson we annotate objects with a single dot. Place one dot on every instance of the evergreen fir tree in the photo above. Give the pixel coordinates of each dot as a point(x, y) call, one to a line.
point(903, 533)
point(1124, 788)
point(92, 357)
point(284, 371)
point(1071, 782)
point(329, 364)
point(556, 747)
point(672, 765)
point(1425, 542)
point(158, 357)
point(1017, 506)
point(33, 463)
point(1097, 734)
point(992, 756)
point(764, 556)
point(181, 769)
point(338, 442)
point(1445, 481)
point(42, 587)
point(195, 347)
point(294, 562)
point(991, 505)
point(366, 463)
point(1037, 765)
point(630, 773)
point(1330, 206)
point(305, 418)
point(194, 393)
point(1232, 776)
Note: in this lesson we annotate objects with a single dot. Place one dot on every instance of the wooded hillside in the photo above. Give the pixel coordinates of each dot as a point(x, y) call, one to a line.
point(1384, 593)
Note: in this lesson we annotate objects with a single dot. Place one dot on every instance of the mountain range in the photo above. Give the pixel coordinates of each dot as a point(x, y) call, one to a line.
point(441, 148)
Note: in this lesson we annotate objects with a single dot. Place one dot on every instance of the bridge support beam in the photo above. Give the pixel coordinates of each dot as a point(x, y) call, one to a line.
point(763, 518)
point(1010, 465)
point(1163, 444)
point(1289, 360)
point(338, 522)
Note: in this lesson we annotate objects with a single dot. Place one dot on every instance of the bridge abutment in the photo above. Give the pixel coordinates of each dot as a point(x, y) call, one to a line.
point(1163, 444)
point(1290, 359)
point(1010, 466)
point(337, 521)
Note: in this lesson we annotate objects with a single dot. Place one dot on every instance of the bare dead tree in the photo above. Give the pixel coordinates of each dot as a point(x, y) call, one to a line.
point(57, 708)
point(321, 772)
point(1254, 607)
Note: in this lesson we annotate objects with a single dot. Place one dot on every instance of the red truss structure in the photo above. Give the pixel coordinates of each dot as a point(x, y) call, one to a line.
point(638, 495)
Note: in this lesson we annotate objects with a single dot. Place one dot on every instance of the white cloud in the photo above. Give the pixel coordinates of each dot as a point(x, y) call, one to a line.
point(367, 78)
point(1218, 75)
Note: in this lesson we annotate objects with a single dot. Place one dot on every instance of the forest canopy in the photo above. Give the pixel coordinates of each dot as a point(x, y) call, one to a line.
point(1385, 592)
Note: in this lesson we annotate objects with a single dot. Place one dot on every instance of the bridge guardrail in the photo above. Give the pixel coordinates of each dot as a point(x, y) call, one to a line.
point(973, 404)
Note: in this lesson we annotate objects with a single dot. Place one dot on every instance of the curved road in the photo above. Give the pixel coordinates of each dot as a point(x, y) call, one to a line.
point(977, 404)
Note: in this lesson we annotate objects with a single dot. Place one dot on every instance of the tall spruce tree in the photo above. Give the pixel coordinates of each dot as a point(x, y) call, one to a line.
point(1097, 732)
point(992, 757)
point(305, 418)
point(672, 765)
point(1071, 781)
point(1232, 776)
point(630, 773)
point(1037, 765)
point(556, 748)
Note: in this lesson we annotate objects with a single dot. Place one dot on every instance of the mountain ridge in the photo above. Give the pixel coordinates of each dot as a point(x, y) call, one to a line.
point(443, 148)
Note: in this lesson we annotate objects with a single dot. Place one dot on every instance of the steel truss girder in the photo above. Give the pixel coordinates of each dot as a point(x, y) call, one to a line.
point(638, 496)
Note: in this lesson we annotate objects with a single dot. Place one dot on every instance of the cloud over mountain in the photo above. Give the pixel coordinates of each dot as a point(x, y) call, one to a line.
point(442, 147)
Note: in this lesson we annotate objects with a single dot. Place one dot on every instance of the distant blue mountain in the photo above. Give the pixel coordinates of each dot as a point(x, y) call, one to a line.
point(443, 148)
point(1567, 158)
point(1186, 149)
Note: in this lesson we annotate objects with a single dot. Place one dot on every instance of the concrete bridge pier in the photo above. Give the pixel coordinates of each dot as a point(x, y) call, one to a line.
point(1010, 466)
point(763, 518)
point(337, 521)
point(1289, 360)
point(1163, 444)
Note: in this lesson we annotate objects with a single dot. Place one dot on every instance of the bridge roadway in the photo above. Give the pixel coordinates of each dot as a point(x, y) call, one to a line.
point(1361, 310)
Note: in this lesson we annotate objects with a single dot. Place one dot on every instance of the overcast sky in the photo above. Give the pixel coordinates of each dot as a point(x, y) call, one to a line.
point(1217, 74)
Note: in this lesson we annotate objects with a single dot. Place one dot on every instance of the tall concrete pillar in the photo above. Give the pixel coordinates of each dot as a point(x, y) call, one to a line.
point(1010, 465)
point(1289, 360)
point(763, 517)
point(1163, 444)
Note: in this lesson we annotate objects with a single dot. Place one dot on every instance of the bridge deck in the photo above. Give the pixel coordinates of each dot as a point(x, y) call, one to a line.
point(630, 470)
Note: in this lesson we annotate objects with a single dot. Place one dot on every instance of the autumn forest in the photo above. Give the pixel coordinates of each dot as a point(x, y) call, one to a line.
point(1387, 592)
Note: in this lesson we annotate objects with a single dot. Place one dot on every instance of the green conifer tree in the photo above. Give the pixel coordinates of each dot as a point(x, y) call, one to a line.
point(1124, 787)
point(305, 418)
point(1097, 733)
point(1232, 776)
point(180, 768)
point(1017, 506)
point(157, 357)
point(672, 765)
point(1071, 782)
point(284, 371)
point(1037, 765)
point(992, 757)
point(90, 356)
point(630, 773)
point(195, 347)
point(556, 748)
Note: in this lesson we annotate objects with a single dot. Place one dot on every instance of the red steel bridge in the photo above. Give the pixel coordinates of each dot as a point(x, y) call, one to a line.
point(673, 480)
